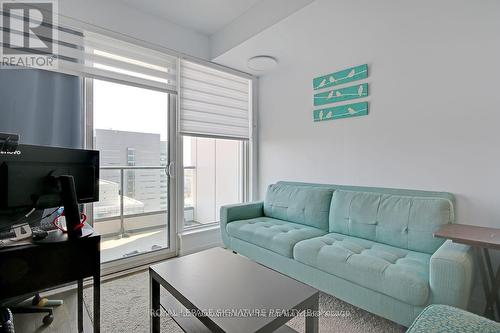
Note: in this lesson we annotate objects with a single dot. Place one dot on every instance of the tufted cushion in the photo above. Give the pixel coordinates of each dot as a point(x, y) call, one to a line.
point(395, 272)
point(407, 222)
point(275, 235)
point(298, 204)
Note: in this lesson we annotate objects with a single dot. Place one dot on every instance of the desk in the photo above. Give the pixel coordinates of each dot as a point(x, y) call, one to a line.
point(32, 268)
point(482, 240)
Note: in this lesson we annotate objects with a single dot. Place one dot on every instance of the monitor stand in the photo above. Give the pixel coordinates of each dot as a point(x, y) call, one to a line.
point(71, 211)
point(71, 214)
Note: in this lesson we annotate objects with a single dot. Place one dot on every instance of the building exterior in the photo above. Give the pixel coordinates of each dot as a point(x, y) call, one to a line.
point(212, 177)
point(109, 201)
point(144, 186)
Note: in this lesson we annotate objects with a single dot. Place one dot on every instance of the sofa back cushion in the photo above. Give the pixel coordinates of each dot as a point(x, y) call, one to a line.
point(404, 221)
point(307, 205)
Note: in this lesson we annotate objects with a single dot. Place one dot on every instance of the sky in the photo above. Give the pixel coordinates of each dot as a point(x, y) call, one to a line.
point(126, 108)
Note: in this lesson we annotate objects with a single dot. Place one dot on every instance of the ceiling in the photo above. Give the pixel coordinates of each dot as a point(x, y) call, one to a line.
point(204, 16)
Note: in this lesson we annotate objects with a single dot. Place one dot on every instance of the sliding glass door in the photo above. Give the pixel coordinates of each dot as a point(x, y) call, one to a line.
point(128, 90)
point(132, 131)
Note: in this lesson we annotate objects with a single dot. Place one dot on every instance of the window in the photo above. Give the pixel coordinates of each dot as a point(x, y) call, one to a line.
point(122, 94)
point(131, 132)
point(215, 121)
point(213, 176)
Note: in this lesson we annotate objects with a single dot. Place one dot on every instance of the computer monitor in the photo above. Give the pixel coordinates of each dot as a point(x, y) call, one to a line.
point(39, 177)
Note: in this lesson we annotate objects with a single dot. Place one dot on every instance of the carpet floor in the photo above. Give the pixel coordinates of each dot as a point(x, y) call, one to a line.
point(125, 305)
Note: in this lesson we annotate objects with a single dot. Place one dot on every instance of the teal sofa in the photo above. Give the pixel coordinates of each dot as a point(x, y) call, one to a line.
point(371, 247)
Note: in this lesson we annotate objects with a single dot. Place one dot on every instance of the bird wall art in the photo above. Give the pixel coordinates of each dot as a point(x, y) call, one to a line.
point(342, 111)
point(326, 96)
point(341, 94)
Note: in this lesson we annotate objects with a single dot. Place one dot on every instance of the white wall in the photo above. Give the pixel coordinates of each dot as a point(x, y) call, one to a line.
point(118, 17)
point(261, 16)
point(434, 100)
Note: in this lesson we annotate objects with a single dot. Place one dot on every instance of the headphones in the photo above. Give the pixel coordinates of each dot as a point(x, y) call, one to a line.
point(79, 226)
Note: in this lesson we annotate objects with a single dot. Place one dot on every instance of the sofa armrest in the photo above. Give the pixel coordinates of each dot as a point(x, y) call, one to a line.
point(243, 211)
point(451, 274)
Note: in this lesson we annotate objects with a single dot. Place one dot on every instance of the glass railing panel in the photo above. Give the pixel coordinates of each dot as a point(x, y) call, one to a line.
point(132, 218)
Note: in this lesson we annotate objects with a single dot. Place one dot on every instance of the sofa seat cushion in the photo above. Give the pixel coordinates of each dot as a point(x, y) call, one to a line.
point(272, 234)
point(398, 273)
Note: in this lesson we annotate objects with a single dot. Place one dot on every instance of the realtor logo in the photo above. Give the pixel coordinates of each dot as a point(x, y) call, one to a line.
point(28, 33)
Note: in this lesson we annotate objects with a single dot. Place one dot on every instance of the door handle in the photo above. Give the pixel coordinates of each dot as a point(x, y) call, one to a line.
point(171, 170)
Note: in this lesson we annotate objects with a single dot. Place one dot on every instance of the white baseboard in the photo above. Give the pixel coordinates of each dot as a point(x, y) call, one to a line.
point(199, 248)
point(199, 240)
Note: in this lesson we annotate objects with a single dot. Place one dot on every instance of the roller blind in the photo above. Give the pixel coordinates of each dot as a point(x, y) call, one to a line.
point(89, 54)
point(213, 102)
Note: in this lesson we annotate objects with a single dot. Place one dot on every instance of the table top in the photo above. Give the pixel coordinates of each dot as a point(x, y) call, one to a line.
point(55, 238)
point(218, 280)
point(471, 235)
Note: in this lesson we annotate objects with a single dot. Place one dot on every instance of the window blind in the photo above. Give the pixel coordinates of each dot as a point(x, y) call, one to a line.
point(213, 102)
point(89, 54)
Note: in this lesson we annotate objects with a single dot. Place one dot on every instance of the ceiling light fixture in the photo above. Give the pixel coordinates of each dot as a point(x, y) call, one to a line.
point(262, 63)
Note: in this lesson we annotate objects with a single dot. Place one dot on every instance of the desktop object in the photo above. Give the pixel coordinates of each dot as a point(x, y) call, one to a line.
point(8, 142)
point(33, 178)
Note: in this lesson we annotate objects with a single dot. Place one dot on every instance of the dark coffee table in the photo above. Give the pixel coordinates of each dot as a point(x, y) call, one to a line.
point(218, 291)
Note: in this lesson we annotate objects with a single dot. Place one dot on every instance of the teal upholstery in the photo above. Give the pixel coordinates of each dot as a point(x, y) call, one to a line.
point(451, 261)
point(364, 298)
point(230, 213)
point(242, 211)
point(382, 190)
point(403, 221)
point(443, 319)
point(309, 206)
point(272, 234)
point(395, 272)
point(371, 247)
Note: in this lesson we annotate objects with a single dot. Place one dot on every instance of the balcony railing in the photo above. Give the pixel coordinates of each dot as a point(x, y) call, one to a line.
point(119, 187)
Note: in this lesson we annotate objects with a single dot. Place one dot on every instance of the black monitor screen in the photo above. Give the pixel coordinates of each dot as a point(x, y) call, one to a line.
point(27, 176)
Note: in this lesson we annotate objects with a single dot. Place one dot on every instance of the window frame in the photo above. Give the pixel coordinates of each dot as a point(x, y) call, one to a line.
point(248, 155)
point(123, 264)
point(175, 167)
point(244, 185)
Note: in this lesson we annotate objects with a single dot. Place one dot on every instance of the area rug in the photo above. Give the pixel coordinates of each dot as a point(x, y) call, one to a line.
point(125, 305)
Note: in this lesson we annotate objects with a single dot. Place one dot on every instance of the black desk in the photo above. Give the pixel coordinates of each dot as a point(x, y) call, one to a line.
point(32, 268)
